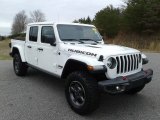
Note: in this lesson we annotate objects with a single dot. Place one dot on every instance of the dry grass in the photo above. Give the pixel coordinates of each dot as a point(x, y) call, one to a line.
point(4, 50)
point(147, 43)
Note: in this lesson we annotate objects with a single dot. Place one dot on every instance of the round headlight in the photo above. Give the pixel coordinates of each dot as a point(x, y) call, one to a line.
point(111, 63)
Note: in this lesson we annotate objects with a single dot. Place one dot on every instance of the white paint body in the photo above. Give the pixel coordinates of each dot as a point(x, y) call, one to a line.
point(49, 60)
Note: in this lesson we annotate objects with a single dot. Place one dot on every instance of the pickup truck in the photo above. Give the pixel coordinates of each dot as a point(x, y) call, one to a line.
point(77, 54)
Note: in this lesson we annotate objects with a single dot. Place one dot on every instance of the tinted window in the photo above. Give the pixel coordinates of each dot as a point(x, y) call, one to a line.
point(78, 32)
point(47, 34)
point(33, 34)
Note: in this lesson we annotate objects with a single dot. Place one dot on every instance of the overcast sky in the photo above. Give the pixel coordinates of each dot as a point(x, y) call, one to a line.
point(54, 10)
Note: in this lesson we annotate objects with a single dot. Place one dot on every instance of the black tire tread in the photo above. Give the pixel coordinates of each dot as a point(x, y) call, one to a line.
point(23, 66)
point(91, 87)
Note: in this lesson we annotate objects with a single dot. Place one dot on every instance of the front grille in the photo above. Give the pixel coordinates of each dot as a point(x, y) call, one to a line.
point(127, 63)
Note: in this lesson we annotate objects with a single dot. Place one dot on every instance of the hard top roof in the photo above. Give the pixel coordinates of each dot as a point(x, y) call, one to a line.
point(52, 23)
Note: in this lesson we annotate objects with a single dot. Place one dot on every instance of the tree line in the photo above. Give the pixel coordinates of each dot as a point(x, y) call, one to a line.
point(138, 16)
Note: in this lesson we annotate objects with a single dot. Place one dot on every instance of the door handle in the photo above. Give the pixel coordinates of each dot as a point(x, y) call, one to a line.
point(29, 46)
point(41, 49)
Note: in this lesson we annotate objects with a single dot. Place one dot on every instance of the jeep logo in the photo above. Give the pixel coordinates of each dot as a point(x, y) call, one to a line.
point(82, 52)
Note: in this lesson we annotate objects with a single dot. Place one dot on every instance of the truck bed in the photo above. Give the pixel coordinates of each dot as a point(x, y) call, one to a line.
point(17, 42)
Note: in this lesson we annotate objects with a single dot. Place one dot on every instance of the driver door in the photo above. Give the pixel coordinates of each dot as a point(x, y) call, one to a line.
point(47, 52)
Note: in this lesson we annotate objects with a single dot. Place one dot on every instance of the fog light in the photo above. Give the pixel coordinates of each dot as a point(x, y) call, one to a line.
point(117, 88)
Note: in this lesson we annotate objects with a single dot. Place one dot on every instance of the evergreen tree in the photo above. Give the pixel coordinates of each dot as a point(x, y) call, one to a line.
point(107, 21)
point(142, 16)
point(83, 20)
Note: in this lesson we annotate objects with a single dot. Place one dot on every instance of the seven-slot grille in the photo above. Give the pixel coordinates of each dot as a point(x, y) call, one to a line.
point(127, 63)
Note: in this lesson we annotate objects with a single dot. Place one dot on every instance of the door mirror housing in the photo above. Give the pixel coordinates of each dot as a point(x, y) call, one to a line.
point(53, 42)
point(102, 37)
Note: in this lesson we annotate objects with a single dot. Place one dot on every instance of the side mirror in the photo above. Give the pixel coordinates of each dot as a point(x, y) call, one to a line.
point(102, 37)
point(53, 42)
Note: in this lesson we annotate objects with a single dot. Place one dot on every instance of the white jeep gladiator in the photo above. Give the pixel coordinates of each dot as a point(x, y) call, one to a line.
point(76, 53)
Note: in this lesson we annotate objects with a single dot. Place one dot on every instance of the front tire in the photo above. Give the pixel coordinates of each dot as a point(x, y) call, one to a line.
point(20, 68)
point(82, 92)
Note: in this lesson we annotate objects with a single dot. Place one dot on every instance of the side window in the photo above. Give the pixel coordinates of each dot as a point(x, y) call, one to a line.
point(33, 33)
point(47, 34)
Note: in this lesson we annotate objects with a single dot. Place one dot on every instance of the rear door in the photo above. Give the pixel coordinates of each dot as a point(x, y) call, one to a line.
point(31, 45)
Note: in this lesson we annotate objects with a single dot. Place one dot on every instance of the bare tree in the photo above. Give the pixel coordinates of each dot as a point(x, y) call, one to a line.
point(37, 16)
point(19, 23)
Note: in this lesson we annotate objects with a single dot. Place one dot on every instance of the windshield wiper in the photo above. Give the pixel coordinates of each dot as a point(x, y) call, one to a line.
point(90, 40)
point(73, 40)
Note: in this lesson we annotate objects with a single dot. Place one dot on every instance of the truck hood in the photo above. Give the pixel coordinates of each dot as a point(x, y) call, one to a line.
point(98, 49)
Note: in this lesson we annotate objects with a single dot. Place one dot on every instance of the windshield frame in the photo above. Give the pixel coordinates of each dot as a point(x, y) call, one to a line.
point(82, 25)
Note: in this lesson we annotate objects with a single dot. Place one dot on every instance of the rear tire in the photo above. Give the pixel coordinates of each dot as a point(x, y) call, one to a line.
point(82, 92)
point(135, 90)
point(20, 68)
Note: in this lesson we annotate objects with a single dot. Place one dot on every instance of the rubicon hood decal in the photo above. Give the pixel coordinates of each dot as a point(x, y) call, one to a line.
point(82, 52)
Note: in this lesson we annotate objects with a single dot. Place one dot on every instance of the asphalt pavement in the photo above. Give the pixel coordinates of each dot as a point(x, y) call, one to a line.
point(39, 96)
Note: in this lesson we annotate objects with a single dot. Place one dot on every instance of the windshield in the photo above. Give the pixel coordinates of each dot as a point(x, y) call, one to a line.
point(77, 32)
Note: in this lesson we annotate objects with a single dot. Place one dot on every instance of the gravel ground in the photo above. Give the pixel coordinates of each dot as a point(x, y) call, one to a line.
point(39, 96)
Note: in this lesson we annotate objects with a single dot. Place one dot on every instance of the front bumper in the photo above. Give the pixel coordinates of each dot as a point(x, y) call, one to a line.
point(121, 84)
